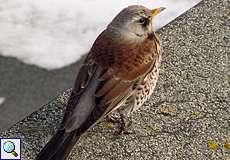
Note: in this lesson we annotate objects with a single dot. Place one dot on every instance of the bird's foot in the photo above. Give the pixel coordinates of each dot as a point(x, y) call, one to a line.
point(120, 122)
point(113, 119)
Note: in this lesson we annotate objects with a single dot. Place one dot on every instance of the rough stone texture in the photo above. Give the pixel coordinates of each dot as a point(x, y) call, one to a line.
point(192, 118)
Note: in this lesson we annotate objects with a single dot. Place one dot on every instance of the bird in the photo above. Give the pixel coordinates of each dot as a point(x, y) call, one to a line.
point(118, 74)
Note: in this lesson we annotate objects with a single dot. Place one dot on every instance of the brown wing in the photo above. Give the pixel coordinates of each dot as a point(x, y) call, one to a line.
point(84, 76)
point(104, 82)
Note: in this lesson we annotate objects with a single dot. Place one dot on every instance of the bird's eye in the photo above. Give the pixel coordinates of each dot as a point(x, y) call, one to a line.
point(144, 21)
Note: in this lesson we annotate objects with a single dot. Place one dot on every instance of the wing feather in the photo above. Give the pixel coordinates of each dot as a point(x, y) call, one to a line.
point(102, 87)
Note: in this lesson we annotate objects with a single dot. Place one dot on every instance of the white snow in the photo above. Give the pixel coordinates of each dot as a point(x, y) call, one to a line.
point(2, 100)
point(55, 33)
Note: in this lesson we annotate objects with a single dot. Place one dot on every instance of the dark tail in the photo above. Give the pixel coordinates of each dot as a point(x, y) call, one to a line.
point(59, 147)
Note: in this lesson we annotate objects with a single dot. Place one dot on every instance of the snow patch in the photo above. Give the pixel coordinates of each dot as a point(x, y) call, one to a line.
point(2, 100)
point(55, 33)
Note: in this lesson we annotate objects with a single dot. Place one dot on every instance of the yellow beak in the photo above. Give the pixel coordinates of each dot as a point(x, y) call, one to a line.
point(156, 11)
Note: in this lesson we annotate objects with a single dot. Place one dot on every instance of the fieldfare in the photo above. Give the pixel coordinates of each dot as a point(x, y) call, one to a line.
point(119, 73)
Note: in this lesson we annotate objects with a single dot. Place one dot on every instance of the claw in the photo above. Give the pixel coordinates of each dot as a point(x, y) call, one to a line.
point(121, 125)
point(113, 119)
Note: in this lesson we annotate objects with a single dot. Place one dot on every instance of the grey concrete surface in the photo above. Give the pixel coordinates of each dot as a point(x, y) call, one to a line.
point(192, 117)
point(27, 88)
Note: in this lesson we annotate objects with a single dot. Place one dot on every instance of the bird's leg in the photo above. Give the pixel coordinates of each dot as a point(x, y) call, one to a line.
point(113, 119)
point(123, 127)
point(120, 122)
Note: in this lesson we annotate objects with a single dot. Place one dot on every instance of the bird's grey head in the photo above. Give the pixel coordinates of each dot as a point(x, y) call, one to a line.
point(133, 22)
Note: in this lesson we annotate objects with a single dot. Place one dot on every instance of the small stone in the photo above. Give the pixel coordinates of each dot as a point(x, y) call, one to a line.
point(110, 125)
point(204, 88)
point(196, 115)
point(166, 110)
point(152, 127)
point(213, 145)
point(227, 146)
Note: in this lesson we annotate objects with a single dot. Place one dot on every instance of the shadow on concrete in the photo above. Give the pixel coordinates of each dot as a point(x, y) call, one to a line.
point(27, 87)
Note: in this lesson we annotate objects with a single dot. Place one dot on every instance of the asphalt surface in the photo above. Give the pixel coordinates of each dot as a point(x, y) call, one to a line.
point(188, 117)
